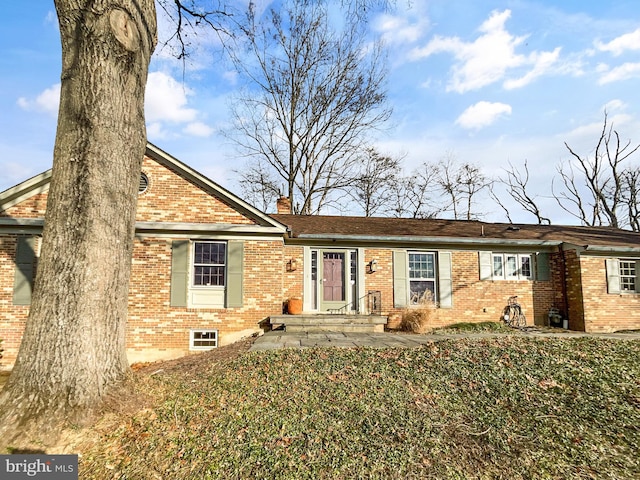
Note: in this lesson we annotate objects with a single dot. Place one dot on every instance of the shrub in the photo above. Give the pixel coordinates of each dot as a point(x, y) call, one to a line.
point(417, 319)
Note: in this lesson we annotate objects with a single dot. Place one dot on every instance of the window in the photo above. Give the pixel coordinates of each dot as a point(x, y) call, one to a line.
point(422, 277)
point(627, 275)
point(203, 339)
point(209, 264)
point(511, 266)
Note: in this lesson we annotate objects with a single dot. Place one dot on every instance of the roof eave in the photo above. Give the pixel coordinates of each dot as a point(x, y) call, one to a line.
point(430, 239)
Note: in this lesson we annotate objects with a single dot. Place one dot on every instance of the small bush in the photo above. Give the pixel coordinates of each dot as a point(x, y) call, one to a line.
point(417, 319)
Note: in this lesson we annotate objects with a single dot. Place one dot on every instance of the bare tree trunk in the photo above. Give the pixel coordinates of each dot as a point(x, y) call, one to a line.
point(73, 346)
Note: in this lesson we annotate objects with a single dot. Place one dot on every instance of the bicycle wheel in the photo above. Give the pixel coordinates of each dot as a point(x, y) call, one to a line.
point(520, 320)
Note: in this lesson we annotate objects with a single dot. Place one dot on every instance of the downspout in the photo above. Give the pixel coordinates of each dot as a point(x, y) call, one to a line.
point(565, 298)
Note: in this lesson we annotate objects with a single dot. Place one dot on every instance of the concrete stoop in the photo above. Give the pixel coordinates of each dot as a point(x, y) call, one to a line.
point(329, 323)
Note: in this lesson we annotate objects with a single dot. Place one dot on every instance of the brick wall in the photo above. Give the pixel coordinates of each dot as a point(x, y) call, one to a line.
point(12, 317)
point(171, 198)
point(156, 330)
point(574, 290)
point(605, 312)
point(33, 207)
point(473, 300)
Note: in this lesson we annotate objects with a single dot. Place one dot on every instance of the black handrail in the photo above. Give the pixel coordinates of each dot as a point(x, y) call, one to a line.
point(373, 304)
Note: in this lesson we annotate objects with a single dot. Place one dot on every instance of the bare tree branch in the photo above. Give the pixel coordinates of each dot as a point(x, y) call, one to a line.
point(517, 184)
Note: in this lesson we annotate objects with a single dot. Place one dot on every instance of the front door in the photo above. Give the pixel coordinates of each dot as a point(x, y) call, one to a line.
point(333, 280)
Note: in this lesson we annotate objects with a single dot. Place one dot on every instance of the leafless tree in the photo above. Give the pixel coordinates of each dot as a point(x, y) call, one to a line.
point(460, 185)
point(631, 196)
point(415, 195)
point(73, 345)
point(372, 187)
point(259, 186)
point(593, 187)
point(312, 96)
point(517, 184)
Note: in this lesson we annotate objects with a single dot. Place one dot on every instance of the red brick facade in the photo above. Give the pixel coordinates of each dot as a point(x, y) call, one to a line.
point(179, 204)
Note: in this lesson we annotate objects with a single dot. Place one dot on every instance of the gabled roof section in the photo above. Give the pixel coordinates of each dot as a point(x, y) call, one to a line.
point(40, 184)
point(212, 188)
point(14, 195)
point(405, 230)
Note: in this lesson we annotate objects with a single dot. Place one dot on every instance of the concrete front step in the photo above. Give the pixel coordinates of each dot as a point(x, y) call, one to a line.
point(330, 323)
point(335, 327)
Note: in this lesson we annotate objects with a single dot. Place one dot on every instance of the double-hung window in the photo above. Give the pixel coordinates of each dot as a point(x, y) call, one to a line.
point(511, 266)
point(628, 282)
point(622, 275)
point(422, 277)
point(209, 264)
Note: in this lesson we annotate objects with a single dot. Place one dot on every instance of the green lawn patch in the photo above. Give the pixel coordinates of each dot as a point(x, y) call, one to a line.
point(507, 407)
point(470, 327)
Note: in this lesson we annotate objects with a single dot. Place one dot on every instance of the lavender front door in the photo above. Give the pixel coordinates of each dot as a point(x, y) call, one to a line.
point(333, 280)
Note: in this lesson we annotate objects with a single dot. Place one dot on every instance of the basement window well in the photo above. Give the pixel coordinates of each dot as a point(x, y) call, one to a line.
point(203, 339)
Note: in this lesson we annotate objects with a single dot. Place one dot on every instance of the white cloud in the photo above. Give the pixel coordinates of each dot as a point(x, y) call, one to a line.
point(617, 46)
point(482, 114)
point(155, 131)
point(489, 57)
point(167, 105)
point(48, 101)
point(400, 30)
point(617, 74)
point(198, 129)
point(615, 105)
point(542, 61)
point(231, 76)
point(166, 100)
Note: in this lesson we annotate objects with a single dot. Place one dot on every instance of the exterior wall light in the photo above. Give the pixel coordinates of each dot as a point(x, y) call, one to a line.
point(292, 265)
point(373, 265)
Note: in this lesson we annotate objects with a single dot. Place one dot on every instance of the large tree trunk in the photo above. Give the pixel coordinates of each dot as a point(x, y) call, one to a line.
point(73, 348)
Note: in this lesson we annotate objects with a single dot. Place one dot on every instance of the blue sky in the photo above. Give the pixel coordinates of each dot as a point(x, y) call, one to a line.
point(488, 82)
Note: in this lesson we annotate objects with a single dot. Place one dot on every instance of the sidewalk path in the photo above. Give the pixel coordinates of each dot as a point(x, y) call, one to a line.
point(280, 339)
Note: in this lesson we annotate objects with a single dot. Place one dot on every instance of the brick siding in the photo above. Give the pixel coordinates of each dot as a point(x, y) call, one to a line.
point(605, 312)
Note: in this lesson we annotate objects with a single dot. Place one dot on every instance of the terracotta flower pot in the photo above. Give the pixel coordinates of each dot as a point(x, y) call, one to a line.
point(294, 306)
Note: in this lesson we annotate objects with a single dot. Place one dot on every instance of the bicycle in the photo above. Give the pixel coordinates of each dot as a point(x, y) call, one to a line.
point(512, 313)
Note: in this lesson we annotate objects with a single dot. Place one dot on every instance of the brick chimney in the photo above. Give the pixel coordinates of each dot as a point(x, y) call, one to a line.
point(283, 205)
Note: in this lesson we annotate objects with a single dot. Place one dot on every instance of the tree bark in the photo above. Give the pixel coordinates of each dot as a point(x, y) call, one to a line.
point(73, 348)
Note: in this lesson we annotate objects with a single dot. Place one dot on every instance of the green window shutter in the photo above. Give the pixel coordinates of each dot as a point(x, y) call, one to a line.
point(543, 267)
point(235, 262)
point(400, 279)
point(613, 275)
point(486, 267)
point(445, 280)
point(179, 272)
point(23, 276)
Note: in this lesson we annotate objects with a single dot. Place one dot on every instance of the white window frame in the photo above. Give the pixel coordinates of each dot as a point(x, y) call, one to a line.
point(194, 265)
point(625, 266)
point(504, 259)
point(433, 279)
point(194, 333)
